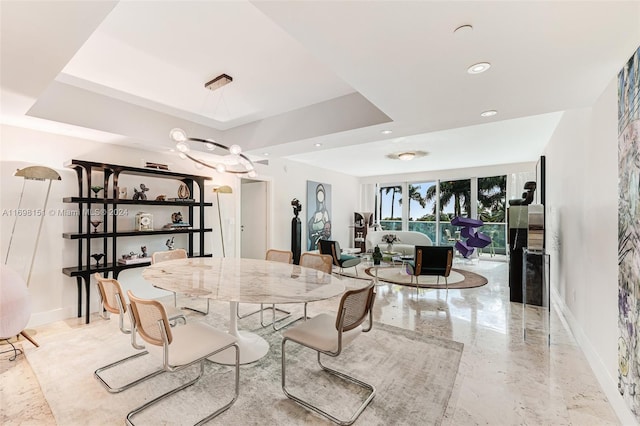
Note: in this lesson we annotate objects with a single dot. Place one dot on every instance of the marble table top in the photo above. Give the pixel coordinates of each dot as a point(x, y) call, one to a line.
point(243, 280)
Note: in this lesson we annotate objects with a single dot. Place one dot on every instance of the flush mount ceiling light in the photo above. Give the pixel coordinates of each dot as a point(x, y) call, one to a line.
point(386, 132)
point(218, 82)
point(406, 155)
point(478, 68)
point(489, 113)
point(231, 160)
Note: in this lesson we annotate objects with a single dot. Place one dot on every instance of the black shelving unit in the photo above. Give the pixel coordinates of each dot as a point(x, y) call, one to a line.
point(84, 269)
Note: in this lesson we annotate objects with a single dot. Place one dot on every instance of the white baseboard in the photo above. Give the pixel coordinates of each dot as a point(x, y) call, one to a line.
point(609, 384)
point(43, 318)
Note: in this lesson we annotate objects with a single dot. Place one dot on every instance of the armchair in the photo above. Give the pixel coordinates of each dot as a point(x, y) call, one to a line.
point(431, 260)
point(332, 248)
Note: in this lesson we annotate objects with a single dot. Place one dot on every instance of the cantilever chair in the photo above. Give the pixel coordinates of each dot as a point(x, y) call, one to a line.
point(330, 335)
point(332, 248)
point(161, 256)
point(283, 256)
point(320, 262)
point(113, 302)
point(180, 347)
point(431, 260)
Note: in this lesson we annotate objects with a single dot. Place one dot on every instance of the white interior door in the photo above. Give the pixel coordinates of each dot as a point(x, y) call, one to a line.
point(254, 213)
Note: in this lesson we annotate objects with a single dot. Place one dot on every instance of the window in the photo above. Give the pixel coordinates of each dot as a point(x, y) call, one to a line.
point(391, 207)
point(421, 209)
point(492, 194)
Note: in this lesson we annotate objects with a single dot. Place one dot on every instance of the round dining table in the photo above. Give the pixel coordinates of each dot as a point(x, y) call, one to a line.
point(238, 280)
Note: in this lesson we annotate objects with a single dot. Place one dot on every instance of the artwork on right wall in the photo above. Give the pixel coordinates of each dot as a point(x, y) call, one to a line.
point(629, 233)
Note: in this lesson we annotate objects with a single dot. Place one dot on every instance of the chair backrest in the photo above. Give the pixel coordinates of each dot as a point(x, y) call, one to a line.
point(331, 248)
point(355, 306)
point(321, 262)
point(161, 256)
point(283, 256)
point(111, 294)
point(151, 320)
point(430, 260)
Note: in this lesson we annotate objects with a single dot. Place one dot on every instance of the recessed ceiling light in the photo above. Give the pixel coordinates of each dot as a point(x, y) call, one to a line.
point(478, 68)
point(266, 154)
point(386, 132)
point(489, 113)
point(317, 145)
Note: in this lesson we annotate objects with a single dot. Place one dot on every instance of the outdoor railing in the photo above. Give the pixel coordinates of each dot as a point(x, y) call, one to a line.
point(496, 230)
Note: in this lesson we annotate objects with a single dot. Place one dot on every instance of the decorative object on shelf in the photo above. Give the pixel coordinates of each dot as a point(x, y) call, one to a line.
point(95, 223)
point(233, 161)
point(140, 195)
point(38, 173)
point(183, 192)
point(176, 217)
point(97, 257)
point(177, 222)
point(143, 249)
point(122, 192)
point(96, 189)
point(377, 255)
point(225, 189)
point(133, 259)
point(161, 198)
point(144, 221)
point(170, 244)
point(156, 166)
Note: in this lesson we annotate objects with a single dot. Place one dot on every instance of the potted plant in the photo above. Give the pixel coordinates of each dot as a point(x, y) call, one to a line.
point(390, 239)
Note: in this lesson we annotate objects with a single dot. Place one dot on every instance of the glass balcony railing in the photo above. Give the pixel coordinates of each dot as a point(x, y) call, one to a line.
point(497, 231)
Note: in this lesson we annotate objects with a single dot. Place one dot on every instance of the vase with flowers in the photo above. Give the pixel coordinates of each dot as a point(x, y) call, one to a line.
point(390, 239)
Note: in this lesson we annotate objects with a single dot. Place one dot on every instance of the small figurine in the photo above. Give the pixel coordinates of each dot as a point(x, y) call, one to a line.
point(377, 255)
point(144, 251)
point(176, 217)
point(140, 195)
point(161, 198)
point(183, 191)
point(96, 189)
point(122, 192)
point(169, 243)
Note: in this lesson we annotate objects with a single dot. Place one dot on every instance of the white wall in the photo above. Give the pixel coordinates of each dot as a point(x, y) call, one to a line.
point(53, 294)
point(582, 209)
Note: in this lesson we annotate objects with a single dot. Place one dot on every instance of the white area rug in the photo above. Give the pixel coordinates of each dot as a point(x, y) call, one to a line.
point(414, 375)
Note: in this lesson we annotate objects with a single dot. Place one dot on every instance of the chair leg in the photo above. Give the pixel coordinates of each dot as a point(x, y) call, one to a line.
point(186, 385)
point(303, 317)
point(126, 386)
point(198, 311)
point(273, 310)
point(16, 351)
point(351, 379)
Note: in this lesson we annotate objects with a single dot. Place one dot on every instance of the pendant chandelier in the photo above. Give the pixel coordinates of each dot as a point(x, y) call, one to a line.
point(227, 159)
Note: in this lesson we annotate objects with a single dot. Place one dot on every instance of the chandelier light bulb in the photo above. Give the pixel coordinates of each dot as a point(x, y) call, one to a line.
point(235, 149)
point(182, 147)
point(199, 166)
point(210, 146)
point(221, 168)
point(178, 135)
point(252, 173)
point(182, 155)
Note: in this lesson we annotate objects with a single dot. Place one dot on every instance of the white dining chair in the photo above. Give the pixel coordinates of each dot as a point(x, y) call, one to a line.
point(329, 335)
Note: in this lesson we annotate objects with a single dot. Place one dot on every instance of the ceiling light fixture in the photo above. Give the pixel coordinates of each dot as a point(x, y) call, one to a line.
point(489, 113)
point(317, 145)
point(386, 132)
point(406, 156)
point(218, 82)
point(478, 68)
point(234, 162)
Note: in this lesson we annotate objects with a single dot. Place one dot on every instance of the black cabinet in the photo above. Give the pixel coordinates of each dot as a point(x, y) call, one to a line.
point(109, 207)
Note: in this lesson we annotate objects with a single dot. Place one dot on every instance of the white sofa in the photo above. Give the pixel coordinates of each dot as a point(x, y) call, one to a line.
point(406, 245)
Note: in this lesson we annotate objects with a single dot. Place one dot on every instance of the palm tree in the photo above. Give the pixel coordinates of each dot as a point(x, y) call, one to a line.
point(459, 190)
point(393, 190)
point(491, 198)
point(414, 194)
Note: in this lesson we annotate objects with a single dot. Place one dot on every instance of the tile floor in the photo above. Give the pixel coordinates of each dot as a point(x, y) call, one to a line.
point(502, 380)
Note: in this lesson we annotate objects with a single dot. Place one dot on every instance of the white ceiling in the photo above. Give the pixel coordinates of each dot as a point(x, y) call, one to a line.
point(334, 73)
